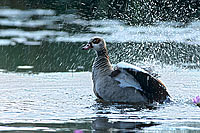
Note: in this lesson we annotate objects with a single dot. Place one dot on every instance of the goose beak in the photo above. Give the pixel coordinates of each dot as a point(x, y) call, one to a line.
point(87, 46)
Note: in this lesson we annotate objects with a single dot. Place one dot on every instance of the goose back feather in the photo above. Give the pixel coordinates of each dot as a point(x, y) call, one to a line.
point(125, 83)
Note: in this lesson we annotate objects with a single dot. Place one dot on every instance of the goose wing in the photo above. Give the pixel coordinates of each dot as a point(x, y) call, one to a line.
point(132, 76)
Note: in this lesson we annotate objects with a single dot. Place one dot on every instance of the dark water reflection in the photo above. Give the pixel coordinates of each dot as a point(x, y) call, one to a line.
point(60, 57)
point(97, 125)
point(44, 58)
point(103, 124)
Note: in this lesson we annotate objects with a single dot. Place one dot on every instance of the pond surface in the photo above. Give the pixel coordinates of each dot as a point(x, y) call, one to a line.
point(65, 102)
point(46, 80)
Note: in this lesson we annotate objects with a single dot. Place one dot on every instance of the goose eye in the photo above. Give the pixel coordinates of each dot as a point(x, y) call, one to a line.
point(96, 40)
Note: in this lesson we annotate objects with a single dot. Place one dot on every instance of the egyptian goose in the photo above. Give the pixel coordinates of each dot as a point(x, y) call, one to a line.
point(125, 83)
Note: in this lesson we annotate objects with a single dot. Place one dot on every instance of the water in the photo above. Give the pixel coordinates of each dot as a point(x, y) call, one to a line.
point(57, 102)
point(46, 80)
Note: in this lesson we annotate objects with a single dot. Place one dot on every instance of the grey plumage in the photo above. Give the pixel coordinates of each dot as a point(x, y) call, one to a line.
point(125, 84)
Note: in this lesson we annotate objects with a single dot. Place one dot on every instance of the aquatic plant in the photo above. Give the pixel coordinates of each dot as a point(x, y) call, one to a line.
point(196, 100)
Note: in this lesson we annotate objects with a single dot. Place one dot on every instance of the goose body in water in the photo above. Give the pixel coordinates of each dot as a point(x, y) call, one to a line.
point(125, 83)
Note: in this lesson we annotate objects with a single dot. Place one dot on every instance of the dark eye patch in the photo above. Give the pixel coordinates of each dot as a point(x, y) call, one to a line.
point(96, 40)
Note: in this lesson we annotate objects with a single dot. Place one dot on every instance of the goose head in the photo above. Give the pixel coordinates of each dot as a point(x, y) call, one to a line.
point(96, 43)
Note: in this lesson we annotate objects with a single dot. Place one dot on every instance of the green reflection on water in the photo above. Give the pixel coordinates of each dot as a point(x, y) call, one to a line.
point(47, 57)
point(59, 57)
point(165, 53)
